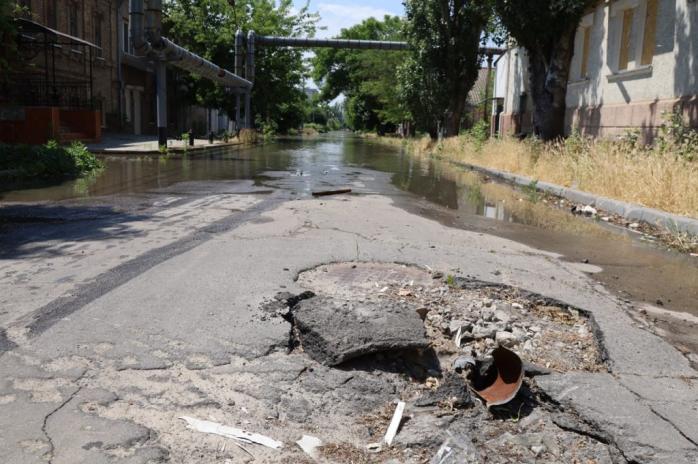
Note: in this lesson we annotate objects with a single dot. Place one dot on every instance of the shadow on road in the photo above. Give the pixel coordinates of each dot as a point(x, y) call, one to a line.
point(33, 230)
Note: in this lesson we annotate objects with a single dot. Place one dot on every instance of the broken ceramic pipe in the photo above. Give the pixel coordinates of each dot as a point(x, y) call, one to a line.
point(500, 383)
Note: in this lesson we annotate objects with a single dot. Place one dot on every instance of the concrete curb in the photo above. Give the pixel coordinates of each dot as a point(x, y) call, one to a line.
point(630, 211)
point(198, 149)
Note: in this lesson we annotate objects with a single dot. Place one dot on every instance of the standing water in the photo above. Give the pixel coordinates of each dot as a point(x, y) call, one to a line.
point(451, 195)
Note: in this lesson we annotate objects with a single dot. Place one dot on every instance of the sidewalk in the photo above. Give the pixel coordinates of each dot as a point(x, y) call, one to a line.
point(127, 144)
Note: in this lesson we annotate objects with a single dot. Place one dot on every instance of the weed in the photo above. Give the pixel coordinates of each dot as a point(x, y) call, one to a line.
point(451, 281)
point(532, 192)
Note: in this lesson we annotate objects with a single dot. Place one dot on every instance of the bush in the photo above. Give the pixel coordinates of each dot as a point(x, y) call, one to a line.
point(49, 161)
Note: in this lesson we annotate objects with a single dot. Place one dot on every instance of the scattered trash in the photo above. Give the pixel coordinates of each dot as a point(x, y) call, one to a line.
point(231, 432)
point(404, 292)
point(587, 210)
point(395, 423)
point(374, 448)
point(326, 193)
point(634, 225)
point(309, 445)
point(502, 381)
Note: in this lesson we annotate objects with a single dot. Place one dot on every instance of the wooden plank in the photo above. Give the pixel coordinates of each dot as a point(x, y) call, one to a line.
point(626, 33)
point(648, 41)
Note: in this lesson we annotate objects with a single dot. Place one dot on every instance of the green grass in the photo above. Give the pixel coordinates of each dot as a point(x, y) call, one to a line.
point(46, 162)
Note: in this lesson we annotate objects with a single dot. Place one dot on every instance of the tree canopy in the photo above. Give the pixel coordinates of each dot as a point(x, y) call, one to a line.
point(365, 77)
point(208, 27)
point(445, 36)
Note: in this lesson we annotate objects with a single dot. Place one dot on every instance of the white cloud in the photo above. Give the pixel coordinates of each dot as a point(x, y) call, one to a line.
point(336, 17)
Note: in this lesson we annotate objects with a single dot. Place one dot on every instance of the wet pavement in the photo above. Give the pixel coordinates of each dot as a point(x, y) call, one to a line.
point(142, 296)
point(456, 197)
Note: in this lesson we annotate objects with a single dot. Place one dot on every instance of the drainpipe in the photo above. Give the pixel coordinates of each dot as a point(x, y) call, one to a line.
point(119, 57)
point(135, 27)
point(153, 34)
point(153, 23)
point(239, 64)
point(249, 75)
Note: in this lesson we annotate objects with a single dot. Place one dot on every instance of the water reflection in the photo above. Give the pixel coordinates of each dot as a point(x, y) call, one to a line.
point(463, 198)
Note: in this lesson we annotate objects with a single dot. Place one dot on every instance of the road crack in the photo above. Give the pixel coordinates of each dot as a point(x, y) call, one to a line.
point(44, 425)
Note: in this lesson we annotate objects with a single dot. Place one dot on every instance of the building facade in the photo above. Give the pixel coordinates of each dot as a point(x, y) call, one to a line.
point(634, 60)
point(77, 76)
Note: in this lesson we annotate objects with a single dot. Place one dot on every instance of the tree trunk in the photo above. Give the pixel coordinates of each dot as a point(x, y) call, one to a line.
point(549, 72)
point(454, 114)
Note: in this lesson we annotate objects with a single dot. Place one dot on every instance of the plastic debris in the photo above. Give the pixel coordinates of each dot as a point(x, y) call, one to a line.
point(395, 423)
point(231, 432)
point(374, 448)
point(309, 445)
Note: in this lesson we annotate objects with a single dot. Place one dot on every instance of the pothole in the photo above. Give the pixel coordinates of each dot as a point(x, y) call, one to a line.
point(362, 306)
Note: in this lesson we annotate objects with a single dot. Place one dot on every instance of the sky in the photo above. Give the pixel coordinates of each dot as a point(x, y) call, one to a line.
point(339, 14)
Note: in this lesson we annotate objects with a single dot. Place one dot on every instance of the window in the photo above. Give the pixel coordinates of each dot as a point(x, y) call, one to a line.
point(650, 36)
point(51, 19)
point(73, 25)
point(582, 48)
point(126, 46)
point(98, 33)
point(626, 39)
point(633, 34)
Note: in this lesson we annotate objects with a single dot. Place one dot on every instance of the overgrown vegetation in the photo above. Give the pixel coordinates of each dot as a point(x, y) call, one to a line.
point(46, 162)
point(663, 175)
point(365, 77)
point(444, 38)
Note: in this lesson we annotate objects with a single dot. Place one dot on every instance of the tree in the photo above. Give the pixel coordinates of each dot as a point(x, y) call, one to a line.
point(445, 36)
point(8, 37)
point(208, 27)
point(546, 30)
point(365, 77)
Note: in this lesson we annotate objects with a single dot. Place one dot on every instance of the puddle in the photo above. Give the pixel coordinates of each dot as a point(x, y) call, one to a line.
point(434, 189)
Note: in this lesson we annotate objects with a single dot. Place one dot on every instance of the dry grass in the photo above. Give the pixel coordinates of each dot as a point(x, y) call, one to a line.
point(248, 136)
point(620, 170)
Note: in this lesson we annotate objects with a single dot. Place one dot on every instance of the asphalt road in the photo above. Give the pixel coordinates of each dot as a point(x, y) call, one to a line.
point(118, 319)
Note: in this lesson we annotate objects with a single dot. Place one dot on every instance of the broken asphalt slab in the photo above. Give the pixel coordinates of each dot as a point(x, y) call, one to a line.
point(334, 331)
point(627, 418)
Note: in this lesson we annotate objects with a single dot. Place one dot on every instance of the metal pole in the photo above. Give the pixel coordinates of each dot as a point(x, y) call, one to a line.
point(249, 75)
point(237, 112)
point(161, 83)
point(485, 116)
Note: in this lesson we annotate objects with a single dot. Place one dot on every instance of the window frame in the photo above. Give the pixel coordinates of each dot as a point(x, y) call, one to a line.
point(637, 37)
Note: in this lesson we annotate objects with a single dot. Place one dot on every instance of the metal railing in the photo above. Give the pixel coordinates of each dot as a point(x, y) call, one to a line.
point(40, 92)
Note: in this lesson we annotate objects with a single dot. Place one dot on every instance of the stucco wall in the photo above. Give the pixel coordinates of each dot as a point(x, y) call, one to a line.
point(607, 101)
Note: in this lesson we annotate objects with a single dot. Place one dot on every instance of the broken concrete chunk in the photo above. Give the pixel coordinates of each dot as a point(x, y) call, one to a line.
point(452, 391)
point(334, 331)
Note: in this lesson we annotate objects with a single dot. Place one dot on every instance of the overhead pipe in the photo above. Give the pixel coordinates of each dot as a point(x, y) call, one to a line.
point(148, 41)
point(297, 42)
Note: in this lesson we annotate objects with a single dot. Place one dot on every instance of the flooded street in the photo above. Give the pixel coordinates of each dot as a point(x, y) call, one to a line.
point(456, 197)
point(186, 288)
